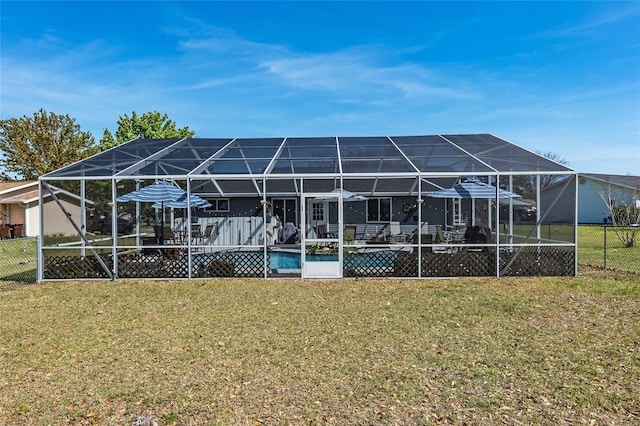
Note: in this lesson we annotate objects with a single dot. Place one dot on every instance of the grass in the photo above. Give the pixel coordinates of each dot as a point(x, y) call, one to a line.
point(591, 249)
point(463, 351)
point(17, 261)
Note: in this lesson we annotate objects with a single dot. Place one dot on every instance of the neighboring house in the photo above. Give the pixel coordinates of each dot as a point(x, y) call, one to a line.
point(592, 187)
point(19, 203)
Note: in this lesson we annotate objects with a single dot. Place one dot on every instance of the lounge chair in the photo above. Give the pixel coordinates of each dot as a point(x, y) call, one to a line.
point(395, 233)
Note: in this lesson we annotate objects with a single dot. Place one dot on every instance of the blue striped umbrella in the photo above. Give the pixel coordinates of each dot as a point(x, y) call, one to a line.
point(159, 191)
point(181, 203)
point(472, 189)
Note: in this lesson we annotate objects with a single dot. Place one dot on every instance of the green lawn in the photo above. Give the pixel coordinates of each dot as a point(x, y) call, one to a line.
point(17, 261)
point(252, 352)
point(619, 257)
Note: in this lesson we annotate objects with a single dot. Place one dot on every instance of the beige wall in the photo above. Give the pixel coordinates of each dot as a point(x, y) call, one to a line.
point(16, 213)
point(4, 211)
point(55, 221)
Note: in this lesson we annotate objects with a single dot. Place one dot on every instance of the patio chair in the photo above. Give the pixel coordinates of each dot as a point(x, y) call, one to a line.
point(441, 238)
point(350, 233)
point(477, 235)
point(196, 234)
point(17, 231)
point(321, 231)
point(4, 231)
point(395, 233)
point(207, 233)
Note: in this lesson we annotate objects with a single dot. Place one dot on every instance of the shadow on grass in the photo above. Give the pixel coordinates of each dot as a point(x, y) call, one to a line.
point(18, 280)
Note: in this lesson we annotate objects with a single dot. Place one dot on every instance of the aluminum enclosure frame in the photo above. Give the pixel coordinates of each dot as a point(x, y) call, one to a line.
point(129, 163)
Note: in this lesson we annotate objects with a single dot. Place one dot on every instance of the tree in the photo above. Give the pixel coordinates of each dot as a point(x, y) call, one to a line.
point(33, 146)
point(526, 185)
point(548, 180)
point(625, 217)
point(148, 125)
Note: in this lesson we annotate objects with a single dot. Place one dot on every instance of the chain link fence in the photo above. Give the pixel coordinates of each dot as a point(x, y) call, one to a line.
point(17, 263)
point(610, 247)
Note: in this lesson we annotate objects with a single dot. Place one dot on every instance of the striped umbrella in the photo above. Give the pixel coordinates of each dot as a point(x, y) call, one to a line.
point(346, 196)
point(472, 189)
point(160, 192)
point(181, 203)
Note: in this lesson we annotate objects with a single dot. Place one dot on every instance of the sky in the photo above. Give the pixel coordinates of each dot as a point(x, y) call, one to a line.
point(552, 77)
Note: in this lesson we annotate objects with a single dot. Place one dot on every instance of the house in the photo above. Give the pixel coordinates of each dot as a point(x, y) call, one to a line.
point(20, 212)
point(624, 189)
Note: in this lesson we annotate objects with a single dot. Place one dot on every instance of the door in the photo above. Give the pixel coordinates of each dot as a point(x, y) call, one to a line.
point(321, 236)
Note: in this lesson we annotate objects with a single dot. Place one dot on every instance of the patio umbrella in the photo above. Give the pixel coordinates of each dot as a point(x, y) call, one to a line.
point(181, 203)
point(472, 189)
point(157, 192)
point(346, 196)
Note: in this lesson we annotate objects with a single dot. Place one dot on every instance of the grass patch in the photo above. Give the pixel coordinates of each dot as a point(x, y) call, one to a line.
point(17, 262)
point(475, 351)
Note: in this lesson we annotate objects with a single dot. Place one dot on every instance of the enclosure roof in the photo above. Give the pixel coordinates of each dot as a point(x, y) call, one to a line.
point(480, 154)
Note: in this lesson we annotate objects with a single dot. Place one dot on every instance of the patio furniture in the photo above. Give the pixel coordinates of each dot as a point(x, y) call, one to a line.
point(163, 234)
point(477, 235)
point(349, 234)
point(395, 233)
point(16, 230)
point(196, 233)
point(289, 234)
point(208, 230)
point(321, 231)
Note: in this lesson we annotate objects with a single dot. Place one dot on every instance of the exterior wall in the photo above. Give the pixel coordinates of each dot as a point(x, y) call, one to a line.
point(4, 209)
point(591, 207)
point(16, 213)
point(32, 220)
point(55, 222)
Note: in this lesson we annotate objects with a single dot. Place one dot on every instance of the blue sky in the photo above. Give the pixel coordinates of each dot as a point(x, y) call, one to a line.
point(560, 77)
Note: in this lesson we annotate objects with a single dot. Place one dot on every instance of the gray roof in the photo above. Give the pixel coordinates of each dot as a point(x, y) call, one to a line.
point(631, 182)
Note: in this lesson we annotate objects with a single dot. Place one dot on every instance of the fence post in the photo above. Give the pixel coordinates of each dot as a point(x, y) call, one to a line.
point(605, 247)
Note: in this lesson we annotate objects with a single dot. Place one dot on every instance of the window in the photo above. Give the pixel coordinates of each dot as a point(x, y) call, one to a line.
point(317, 212)
point(379, 210)
point(218, 205)
point(285, 209)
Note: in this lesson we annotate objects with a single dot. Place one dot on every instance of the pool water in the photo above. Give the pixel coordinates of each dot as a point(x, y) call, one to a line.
point(285, 260)
point(291, 260)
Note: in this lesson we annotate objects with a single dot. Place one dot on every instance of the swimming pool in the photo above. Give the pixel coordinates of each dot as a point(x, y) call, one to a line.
point(284, 260)
point(291, 260)
point(378, 259)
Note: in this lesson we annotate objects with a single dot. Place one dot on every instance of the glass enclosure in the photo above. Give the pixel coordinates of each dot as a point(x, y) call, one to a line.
point(407, 206)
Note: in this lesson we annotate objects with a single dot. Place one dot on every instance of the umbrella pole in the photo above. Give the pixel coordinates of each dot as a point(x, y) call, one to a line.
point(162, 224)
